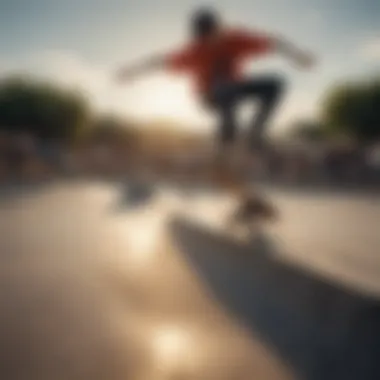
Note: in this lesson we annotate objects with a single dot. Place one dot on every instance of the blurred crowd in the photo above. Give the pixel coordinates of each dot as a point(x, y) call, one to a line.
point(25, 158)
point(323, 164)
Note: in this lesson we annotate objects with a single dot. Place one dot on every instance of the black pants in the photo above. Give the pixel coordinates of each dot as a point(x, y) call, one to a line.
point(225, 97)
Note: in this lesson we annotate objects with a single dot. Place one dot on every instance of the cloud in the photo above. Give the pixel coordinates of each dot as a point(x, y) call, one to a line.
point(69, 69)
point(64, 68)
point(370, 49)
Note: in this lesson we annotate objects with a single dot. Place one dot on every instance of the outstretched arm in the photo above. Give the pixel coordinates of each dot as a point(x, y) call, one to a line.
point(290, 51)
point(133, 71)
point(177, 61)
point(258, 43)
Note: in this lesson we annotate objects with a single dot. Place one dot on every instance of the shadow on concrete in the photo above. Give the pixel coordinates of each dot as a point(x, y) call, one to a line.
point(320, 189)
point(133, 195)
point(321, 329)
point(19, 189)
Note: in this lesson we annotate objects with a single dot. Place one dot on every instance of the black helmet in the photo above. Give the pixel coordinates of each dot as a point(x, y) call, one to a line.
point(204, 22)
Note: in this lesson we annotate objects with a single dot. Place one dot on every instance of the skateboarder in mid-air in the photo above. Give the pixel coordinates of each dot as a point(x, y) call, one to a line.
point(213, 58)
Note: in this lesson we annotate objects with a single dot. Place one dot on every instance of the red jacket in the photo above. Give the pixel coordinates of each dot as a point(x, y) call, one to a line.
point(205, 61)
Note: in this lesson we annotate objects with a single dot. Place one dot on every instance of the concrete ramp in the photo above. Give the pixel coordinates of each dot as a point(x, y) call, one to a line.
point(99, 284)
point(321, 327)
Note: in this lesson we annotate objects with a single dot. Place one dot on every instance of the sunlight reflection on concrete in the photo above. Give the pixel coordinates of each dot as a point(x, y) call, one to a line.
point(140, 287)
point(172, 347)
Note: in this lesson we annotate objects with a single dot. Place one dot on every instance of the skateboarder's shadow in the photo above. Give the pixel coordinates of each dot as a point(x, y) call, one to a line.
point(320, 328)
point(132, 196)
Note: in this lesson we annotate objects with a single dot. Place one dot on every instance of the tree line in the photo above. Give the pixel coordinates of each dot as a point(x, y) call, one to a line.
point(50, 112)
point(350, 109)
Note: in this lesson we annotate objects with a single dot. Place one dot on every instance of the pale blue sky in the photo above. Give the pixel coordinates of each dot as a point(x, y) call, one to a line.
point(78, 41)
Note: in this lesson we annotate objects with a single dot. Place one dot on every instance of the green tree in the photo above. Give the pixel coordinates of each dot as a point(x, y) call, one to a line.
point(354, 110)
point(40, 108)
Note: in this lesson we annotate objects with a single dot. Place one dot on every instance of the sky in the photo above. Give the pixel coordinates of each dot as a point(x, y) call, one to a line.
point(79, 43)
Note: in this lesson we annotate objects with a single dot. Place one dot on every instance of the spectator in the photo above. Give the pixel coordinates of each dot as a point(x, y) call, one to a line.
point(4, 166)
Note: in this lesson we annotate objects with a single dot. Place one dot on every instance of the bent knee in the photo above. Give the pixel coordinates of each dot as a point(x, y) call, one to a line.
point(278, 85)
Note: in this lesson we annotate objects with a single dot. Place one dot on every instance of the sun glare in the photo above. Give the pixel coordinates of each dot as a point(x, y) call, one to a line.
point(163, 98)
point(170, 346)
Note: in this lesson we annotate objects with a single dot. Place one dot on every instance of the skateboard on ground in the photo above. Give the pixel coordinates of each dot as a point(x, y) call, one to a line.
point(253, 208)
